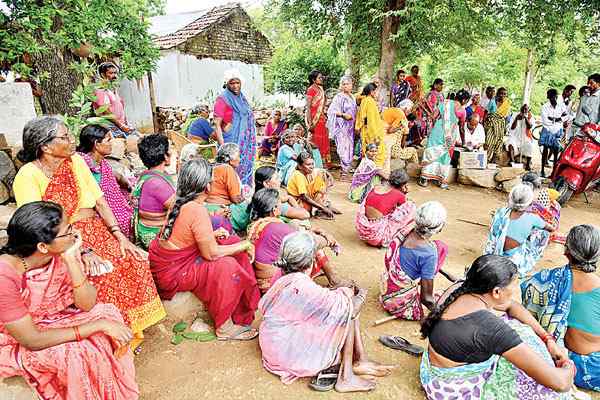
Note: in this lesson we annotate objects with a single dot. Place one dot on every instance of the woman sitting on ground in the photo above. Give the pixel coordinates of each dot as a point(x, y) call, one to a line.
point(366, 176)
point(473, 353)
point(117, 268)
point(267, 232)
point(94, 146)
point(189, 256)
point(304, 143)
point(226, 187)
point(386, 211)
point(309, 186)
point(154, 192)
point(544, 203)
point(52, 330)
point(286, 156)
point(518, 233)
point(276, 125)
point(300, 315)
point(411, 263)
point(566, 301)
point(267, 177)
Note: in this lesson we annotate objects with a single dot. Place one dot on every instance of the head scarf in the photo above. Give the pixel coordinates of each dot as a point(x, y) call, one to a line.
point(232, 73)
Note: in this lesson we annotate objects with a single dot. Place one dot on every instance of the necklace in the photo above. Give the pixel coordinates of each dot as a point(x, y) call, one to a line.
point(481, 298)
point(24, 264)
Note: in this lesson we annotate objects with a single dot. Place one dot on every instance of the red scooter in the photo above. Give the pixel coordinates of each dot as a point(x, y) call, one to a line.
point(578, 168)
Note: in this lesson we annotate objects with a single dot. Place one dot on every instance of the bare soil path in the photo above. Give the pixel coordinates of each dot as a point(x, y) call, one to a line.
point(218, 370)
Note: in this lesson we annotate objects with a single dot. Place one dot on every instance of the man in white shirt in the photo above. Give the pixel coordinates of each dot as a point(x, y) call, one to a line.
point(474, 133)
point(589, 109)
point(554, 118)
point(520, 139)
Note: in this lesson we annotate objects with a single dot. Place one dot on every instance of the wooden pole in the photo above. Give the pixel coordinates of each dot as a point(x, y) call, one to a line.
point(152, 101)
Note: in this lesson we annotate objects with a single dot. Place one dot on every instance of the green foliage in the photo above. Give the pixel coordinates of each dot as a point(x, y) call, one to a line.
point(114, 28)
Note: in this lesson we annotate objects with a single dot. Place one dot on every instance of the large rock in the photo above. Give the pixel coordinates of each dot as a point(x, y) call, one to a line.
point(453, 175)
point(508, 173)
point(508, 185)
point(183, 306)
point(477, 177)
point(396, 163)
point(413, 170)
point(16, 389)
point(6, 213)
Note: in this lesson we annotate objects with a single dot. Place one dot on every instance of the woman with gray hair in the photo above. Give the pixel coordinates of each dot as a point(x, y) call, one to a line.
point(226, 187)
point(300, 315)
point(566, 302)
point(518, 233)
point(340, 123)
point(189, 256)
point(411, 263)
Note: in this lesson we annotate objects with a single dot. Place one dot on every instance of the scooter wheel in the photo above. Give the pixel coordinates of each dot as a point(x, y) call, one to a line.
point(565, 192)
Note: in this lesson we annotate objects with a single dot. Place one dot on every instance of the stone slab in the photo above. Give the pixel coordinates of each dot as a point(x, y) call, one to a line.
point(508, 173)
point(16, 389)
point(508, 185)
point(16, 108)
point(477, 177)
point(183, 306)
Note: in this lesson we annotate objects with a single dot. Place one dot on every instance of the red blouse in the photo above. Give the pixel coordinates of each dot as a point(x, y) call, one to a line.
point(387, 202)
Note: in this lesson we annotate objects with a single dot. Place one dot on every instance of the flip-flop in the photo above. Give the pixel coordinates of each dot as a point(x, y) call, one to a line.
point(325, 380)
point(236, 335)
point(399, 343)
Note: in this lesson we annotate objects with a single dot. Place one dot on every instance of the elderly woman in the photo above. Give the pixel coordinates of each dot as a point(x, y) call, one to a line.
point(396, 128)
point(154, 192)
point(189, 256)
point(446, 133)
point(286, 156)
point(276, 125)
point(411, 263)
point(309, 186)
point(307, 328)
point(341, 116)
point(475, 107)
point(473, 353)
point(94, 146)
point(304, 142)
point(566, 301)
point(370, 124)
point(315, 114)
point(518, 233)
point(385, 211)
point(53, 172)
point(267, 231)
point(52, 330)
point(225, 188)
point(234, 123)
point(366, 176)
point(495, 123)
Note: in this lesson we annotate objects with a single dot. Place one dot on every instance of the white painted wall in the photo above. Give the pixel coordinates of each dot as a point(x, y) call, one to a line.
point(16, 108)
point(183, 80)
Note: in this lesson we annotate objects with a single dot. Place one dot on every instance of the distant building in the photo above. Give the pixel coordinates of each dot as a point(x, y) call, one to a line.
point(196, 49)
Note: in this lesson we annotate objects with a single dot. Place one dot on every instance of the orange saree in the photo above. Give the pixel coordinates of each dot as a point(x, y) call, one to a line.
point(86, 369)
point(129, 286)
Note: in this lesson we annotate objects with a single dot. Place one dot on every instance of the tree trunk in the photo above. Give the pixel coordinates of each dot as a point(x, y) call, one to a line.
point(529, 77)
point(389, 48)
point(353, 63)
point(61, 80)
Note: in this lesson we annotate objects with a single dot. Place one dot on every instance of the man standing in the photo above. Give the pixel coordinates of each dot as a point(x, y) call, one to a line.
point(520, 139)
point(108, 102)
point(589, 109)
point(554, 116)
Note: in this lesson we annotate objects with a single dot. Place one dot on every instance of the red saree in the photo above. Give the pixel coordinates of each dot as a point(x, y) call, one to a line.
point(129, 286)
point(226, 286)
point(84, 370)
point(317, 124)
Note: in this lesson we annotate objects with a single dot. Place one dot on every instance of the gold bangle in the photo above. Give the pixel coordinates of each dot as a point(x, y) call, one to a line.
point(80, 285)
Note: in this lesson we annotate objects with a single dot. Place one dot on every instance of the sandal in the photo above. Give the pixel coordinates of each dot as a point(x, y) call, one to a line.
point(236, 335)
point(399, 343)
point(422, 182)
point(325, 380)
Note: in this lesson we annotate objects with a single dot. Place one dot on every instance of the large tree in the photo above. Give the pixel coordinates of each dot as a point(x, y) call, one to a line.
point(46, 40)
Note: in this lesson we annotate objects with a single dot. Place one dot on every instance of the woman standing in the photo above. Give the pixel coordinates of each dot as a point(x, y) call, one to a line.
point(400, 89)
point(428, 109)
point(53, 332)
point(370, 124)
point(234, 123)
point(447, 131)
point(94, 146)
point(495, 124)
point(416, 85)
point(315, 114)
point(473, 353)
point(341, 116)
point(53, 172)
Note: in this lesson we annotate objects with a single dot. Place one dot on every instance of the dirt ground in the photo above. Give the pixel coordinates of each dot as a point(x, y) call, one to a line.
point(231, 370)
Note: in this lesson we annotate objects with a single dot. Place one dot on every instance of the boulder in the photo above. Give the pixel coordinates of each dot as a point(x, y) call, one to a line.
point(118, 148)
point(453, 175)
point(396, 163)
point(477, 177)
point(508, 173)
point(183, 306)
point(6, 213)
point(508, 185)
point(16, 389)
point(413, 170)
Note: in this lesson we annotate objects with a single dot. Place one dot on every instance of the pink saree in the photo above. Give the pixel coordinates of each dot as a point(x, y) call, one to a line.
point(304, 326)
point(84, 370)
point(380, 232)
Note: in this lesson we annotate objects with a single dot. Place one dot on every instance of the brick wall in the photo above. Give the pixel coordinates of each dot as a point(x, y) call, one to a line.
point(235, 38)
